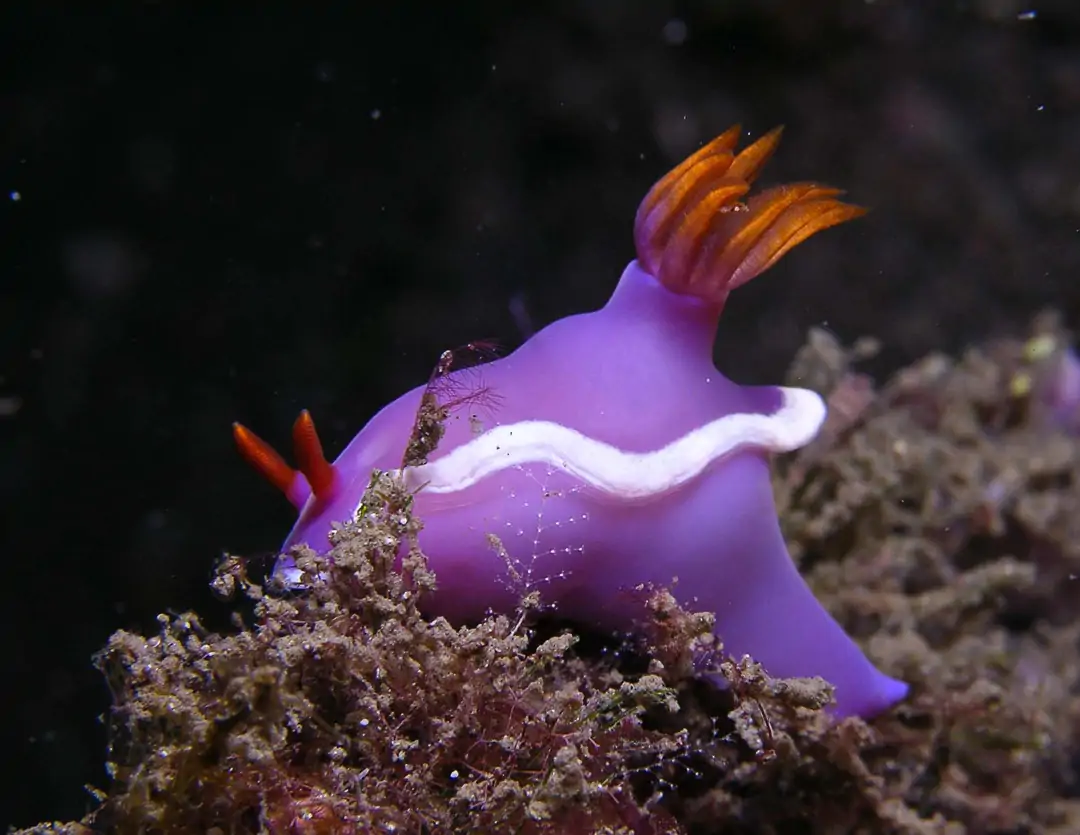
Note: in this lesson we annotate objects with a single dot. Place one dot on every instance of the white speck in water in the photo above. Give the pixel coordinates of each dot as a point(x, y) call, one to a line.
point(15, 196)
point(1028, 15)
point(376, 114)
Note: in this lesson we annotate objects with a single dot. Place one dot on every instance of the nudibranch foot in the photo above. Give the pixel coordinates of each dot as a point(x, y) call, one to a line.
point(619, 455)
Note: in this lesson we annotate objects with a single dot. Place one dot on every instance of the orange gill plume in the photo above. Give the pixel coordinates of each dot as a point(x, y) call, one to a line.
point(695, 234)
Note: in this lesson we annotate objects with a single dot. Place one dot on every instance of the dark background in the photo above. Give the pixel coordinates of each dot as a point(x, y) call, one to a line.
point(216, 214)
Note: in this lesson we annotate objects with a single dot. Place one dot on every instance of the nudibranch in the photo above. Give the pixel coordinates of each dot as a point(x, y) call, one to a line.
point(617, 454)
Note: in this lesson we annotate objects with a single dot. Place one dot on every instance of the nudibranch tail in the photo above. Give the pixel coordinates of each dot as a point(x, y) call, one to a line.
point(694, 235)
point(315, 474)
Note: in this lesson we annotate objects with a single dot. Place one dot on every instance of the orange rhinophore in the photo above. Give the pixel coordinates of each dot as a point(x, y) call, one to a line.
point(309, 456)
point(695, 234)
point(315, 474)
point(263, 458)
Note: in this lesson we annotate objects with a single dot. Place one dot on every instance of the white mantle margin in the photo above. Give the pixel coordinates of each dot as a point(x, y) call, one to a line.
point(614, 471)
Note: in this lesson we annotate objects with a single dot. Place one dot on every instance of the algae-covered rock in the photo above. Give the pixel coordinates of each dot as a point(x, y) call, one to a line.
point(936, 517)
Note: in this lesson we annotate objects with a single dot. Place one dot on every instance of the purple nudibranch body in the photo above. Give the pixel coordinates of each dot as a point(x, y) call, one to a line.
point(617, 453)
